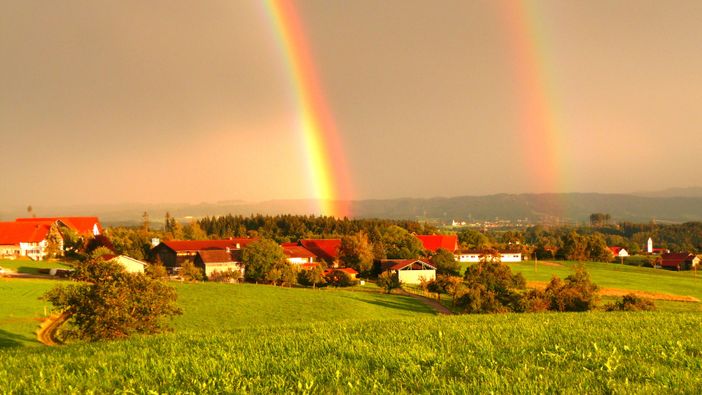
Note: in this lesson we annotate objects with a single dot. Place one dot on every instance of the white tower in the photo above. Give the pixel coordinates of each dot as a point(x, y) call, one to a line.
point(649, 246)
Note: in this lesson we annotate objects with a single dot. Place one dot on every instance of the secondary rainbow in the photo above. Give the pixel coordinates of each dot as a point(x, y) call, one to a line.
point(326, 160)
point(539, 126)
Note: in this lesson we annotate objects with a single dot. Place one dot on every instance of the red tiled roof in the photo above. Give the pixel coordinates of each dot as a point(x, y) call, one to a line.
point(309, 265)
point(346, 270)
point(327, 249)
point(79, 224)
point(297, 252)
point(215, 256)
point(288, 244)
point(12, 233)
point(196, 245)
point(434, 242)
point(615, 250)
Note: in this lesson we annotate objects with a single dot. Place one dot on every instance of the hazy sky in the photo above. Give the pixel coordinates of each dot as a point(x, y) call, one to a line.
point(167, 101)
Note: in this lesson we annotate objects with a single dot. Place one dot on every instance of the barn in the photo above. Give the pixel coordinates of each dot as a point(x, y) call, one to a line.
point(409, 271)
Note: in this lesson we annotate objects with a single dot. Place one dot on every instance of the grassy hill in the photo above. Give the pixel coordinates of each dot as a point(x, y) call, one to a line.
point(255, 338)
point(575, 353)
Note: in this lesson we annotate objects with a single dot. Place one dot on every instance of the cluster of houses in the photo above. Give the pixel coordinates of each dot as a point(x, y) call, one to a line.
point(28, 237)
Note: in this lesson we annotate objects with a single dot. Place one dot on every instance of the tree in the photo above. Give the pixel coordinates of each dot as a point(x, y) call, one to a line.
point(339, 278)
point(145, 221)
point(98, 241)
point(599, 219)
point(156, 270)
point(289, 276)
point(193, 231)
point(274, 275)
point(356, 252)
point(574, 247)
point(576, 293)
point(190, 272)
point(445, 262)
point(110, 303)
point(597, 248)
point(473, 239)
point(400, 244)
point(313, 277)
point(388, 281)
point(54, 242)
point(491, 289)
point(259, 257)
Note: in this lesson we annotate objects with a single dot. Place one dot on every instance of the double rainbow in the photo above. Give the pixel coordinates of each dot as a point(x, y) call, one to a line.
point(326, 160)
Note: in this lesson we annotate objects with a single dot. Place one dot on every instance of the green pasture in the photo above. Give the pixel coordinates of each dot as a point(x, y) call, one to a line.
point(218, 307)
point(31, 267)
point(527, 353)
point(223, 307)
point(613, 275)
point(21, 310)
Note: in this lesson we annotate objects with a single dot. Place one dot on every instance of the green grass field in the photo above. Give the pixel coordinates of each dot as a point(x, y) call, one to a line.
point(611, 275)
point(31, 267)
point(527, 353)
point(257, 338)
point(219, 307)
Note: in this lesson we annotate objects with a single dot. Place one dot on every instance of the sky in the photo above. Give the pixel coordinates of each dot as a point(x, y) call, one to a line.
point(170, 101)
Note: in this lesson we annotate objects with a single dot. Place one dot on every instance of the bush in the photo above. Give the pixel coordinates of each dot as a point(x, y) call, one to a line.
point(631, 302)
point(313, 277)
point(576, 293)
point(156, 271)
point(491, 288)
point(110, 303)
point(190, 272)
point(388, 281)
point(228, 276)
point(338, 278)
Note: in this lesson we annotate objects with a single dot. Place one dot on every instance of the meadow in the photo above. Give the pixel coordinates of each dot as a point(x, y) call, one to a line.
point(564, 353)
point(257, 338)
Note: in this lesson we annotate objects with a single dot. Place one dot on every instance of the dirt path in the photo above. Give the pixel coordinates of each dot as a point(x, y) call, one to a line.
point(433, 304)
point(47, 331)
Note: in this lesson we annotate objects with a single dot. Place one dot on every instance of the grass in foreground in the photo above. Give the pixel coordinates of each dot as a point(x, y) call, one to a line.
point(21, 310)
point(566, 352)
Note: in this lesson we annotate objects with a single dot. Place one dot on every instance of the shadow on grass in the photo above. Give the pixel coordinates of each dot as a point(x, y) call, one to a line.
point(28, 270)
point(9, 340)
point(397, 302)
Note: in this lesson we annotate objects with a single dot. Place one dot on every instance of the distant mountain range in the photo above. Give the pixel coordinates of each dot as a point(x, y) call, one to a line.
point(534, 208)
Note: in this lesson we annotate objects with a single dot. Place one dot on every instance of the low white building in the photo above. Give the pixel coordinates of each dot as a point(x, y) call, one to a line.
point(130, 264)
point(410, 271)
point(476, 256)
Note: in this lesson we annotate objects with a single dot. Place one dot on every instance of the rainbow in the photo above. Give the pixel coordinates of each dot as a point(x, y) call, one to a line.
point(539, 126)
point(326, 162)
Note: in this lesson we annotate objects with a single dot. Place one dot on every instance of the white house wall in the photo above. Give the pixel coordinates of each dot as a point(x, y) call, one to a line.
point(414, 276)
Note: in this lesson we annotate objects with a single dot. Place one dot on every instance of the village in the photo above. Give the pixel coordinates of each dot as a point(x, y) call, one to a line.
point(40, 238)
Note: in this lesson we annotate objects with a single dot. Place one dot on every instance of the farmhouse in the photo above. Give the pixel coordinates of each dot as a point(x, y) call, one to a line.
point(297, 255)
point(24, 239)
point(211, 261)
point(679, 261)
point(130, 264)
point(325, 249)
point(477, 255)
point(409, 271)
point(619, 252)
point(434, 242)
point(174, 253)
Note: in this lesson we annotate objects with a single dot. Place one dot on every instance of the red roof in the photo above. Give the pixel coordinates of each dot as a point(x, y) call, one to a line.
point(327, 249)
point(12, 233)
point(215, 256)
point(297, 252)
point(309, 265)
point(675, 259)
point(615, 250)
point(196, 245)
point(434, 242)
point(79, 224)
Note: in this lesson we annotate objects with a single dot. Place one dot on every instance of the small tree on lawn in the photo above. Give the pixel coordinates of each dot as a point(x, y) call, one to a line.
point(110, 303)
point(190, 272)
point(289, 276)
point(274, 275)
point(388, 281)
point(156, 270)
point(54, 242)
point(259, 257)
point(313, 277)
